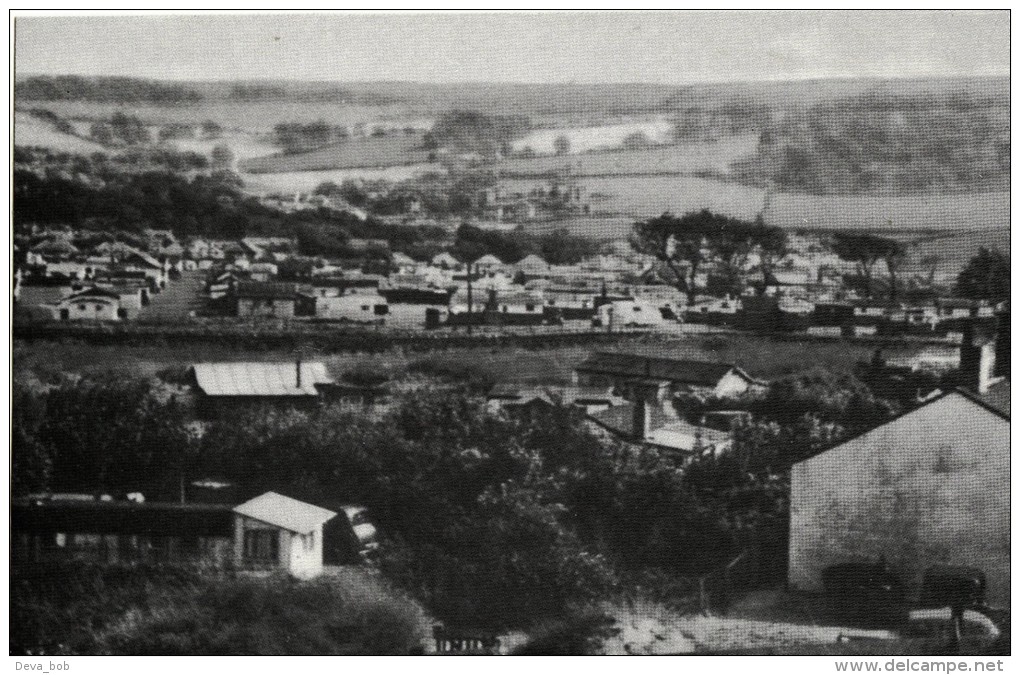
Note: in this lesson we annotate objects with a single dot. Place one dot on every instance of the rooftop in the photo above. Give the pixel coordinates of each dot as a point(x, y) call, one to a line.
point(658, 368)
point(522, 394)
point(267, 290)
point(260, 379)
point(997, 396)
point(284, 512)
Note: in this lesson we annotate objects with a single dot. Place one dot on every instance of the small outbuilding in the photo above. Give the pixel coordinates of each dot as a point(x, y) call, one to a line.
point(273, 532)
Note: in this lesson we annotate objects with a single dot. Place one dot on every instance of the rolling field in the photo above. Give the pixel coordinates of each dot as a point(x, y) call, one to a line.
point(256, 116)
point(679, 158)
point(243, 145)
point(306, 181)
point(30, 131)
point(355, 153)
point(595, 137)
point(648, 196)
point(979, 211)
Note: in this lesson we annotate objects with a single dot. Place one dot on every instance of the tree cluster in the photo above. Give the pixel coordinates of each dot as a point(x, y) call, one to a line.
point(121, 129)
point(701, 123)
point(558, 247)
point(986, 277)
point(205, 205)
point(866, 249)
point(687, 244)
point(889, 144)
point(466, 131)
point(300, 137)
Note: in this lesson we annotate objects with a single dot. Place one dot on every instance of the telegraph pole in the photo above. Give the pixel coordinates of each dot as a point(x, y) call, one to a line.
point(470, 299)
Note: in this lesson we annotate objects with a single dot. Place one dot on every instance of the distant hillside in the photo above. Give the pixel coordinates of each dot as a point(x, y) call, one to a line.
point(522, 98)
point(103, 89)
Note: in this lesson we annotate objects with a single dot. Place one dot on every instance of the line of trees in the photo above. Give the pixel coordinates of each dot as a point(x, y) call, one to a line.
point(688, 244)
point(103, 90)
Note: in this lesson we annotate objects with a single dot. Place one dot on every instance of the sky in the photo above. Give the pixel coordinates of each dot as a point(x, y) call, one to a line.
point(665, 47)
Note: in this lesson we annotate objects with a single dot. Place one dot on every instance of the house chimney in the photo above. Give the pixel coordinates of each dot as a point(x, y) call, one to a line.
point(297, 369)
point(977, 360)
point(642, 417)
point(1002, 343)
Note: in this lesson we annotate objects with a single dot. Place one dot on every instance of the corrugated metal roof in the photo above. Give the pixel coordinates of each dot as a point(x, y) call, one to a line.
point(260, 379)
point(289, 514)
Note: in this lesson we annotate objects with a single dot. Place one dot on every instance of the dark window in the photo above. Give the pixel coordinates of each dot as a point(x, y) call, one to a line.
point(364, 308)
point(261, 546)
point(382, 310)
point(529, 308)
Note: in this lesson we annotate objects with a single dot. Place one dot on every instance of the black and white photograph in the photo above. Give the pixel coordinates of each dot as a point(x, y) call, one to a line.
point(511, 333)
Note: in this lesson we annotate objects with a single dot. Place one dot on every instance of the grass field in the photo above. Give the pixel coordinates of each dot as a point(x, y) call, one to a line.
point(306, 181)
point(354, 153)
point(762, 357)
point(595, 137)
point(32, 131)
point(679, 158)
point(980, 211)
point(256, 116)
point(648, 196)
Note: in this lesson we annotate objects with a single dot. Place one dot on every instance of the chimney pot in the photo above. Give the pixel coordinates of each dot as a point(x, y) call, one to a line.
point(642, 419)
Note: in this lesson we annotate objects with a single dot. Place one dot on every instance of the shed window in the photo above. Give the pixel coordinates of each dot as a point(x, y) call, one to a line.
point(261, 546)
point(364, 308)
point(382, 310)
point(82, 308)
point(529, 308)
point(99, 308)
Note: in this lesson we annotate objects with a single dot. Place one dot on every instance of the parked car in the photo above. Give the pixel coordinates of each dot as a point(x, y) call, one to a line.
point(867, 594)
point(351, 537)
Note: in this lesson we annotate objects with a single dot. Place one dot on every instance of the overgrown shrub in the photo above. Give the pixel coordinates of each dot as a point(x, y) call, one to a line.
point(80, 609)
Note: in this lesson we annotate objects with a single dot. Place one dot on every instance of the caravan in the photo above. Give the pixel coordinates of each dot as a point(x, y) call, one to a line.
point(628, 313)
